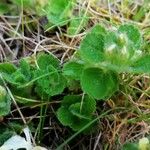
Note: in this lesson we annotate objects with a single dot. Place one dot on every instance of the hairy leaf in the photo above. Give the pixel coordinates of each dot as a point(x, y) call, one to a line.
point(5, 102)
point(92, 46)
point(44, 60)
point(73, 69)
point(97, 83)
point(50, 83)
point(130, 146)
point(70, 99)
point(132, 33)
point(4, 8)
point(89, 105)
point(25, 69)
point(77, 23)
point(58, 12)
point(78, 124)
point(64, 116)
point(76, 109)
point(7, 68)
point(142, 65)
point(76, 112)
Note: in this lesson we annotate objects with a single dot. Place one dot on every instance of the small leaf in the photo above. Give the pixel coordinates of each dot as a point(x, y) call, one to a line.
point(130, 146)
point(58, 12)
point(75, 115)
point(132, 33)
point(25, 68)
point(73, 69)
point(78, 124)
point(75, 110)
point(51, 83)
point(71, 99)
point(5, 102)
point(4, 8)
point(7, 68)
point(77, 23)
point(64, 116)
point(92, 46)
point(142, 65)
point(44, 60)
point(18, 76)
point(98, 84)
point(89, 105)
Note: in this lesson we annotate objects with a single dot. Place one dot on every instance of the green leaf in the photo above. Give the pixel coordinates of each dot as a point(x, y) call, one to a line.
point(111, 38)
point(52, 83)
point(77, 23)
point(64, 116)
point(118, 49)
point(17, 76)
point(14, 79)
point(78, 124)
point(98, 84)
point(132, 33)
point(58, 12)
point(76, 112)
point(25, 68)
point(4, 8)
point(92, 46)
point(71, 99)
point(73, 69)
point(5, 134)
point(7, 68)
point(5, 102)
point(68, 119)
point(44, 60)
point(26, 3)
point(130, 146)
point(73, 85)
point(89, 105)
point(142, 65)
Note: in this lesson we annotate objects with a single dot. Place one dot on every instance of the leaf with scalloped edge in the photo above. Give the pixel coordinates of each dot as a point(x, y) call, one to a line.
point(92, 46)
point(132, 33)
point(64, 116)
point(98, 83)
point(141, 65)
point(58, 12)
point(70, 99)
point(51, 82)
point(76, 112)
point(73, 69)
point(44, 60)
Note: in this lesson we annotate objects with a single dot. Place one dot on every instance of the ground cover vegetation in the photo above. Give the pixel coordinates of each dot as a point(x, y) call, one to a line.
point(75, 73)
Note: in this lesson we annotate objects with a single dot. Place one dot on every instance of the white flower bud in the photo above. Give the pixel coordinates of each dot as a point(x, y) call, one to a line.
point(122, 38)
point(138, 53)
point(124, 50)
point(111, 48)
